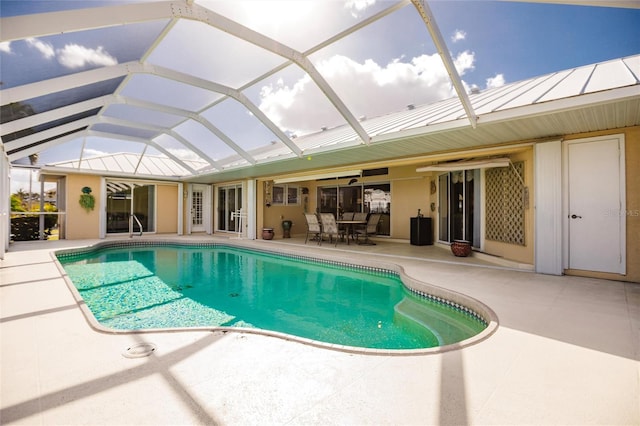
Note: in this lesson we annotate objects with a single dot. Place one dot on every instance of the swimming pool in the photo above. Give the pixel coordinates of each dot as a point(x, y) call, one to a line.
point(151, 286)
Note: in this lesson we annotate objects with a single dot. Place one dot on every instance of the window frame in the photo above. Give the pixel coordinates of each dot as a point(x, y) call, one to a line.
point(281, 195)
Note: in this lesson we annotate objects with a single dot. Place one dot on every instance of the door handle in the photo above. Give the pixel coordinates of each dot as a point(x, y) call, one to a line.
point(575, 216)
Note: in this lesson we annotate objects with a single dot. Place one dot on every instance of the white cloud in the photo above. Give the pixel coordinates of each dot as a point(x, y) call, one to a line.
point(76, 56)
point(367, 88)
point(496, 81)
point(358, 6)
point(5, 46)
point(464, 62)
point(458, 36)
point(45, 49)
point(20, 180)
point(90, 153)
point(184, 154)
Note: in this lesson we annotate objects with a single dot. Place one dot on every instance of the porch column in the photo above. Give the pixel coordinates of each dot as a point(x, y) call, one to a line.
point(181, 197)
point(251, 209)
point(548, 207)
point(41, 216)
point(102, 212)
point(5, 203)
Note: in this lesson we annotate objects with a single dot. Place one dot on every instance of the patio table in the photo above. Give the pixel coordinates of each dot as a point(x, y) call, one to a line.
point(350, 224)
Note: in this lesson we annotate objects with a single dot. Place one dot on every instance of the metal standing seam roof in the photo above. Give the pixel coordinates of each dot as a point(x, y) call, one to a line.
point(621, 74)
point(168, 121)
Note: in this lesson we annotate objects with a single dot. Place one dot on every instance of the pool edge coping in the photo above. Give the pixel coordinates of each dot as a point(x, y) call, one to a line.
point(414, 285)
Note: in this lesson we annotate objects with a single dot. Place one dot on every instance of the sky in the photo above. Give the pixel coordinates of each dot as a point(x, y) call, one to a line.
point(380, 69)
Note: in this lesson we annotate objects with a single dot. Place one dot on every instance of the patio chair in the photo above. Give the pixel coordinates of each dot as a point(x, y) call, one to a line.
point(347, 216)
point(370, 229)
point(329, 227)
point(358, 216)
point(313, 227)
point(341, 226)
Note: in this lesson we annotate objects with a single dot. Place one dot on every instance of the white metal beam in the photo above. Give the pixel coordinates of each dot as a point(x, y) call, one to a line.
point(58, 141)
point(427, 16)
point(231, 27)
point(28, 91)
point(49, 133)
point(219, 88)
point(622, 4)
point(77, 20)
point(52, 115)
point(66, 82)
point(39, 25)
point(142, 141)
point(173, 157)
point(158, 129)
point(111, 174)
point(187, 114)
point(25, 152)
point(43, 24)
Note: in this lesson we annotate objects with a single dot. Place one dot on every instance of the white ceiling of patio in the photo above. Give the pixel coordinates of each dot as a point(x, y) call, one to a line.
point(187, 89)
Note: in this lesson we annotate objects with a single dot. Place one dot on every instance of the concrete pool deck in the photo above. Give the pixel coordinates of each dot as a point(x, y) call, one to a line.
point(567, 351)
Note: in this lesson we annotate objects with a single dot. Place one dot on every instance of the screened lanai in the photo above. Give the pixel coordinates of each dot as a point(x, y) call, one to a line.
point(201, 88)
point(212, 91)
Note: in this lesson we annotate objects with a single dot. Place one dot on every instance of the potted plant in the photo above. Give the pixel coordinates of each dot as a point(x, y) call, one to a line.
point(267, 233)
point(87, 201)
point(461, 248)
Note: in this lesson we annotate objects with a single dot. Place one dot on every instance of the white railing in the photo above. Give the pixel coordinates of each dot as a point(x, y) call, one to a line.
point(241, 216)
point(131, 219)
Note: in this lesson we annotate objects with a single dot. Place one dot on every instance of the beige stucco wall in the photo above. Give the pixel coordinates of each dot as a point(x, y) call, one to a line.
point(167, 209)
point(80, 223)
point(409, 192)
point(272, 217)
point(632, 163)
point(405, 185)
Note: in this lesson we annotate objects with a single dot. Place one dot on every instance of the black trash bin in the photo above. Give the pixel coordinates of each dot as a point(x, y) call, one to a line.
point(421, 231)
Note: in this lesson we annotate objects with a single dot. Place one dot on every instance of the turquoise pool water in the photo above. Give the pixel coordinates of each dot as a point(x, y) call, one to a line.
point(180, 286)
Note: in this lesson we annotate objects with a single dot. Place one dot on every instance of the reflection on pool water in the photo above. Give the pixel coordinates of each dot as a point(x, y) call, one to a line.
point(168, 286)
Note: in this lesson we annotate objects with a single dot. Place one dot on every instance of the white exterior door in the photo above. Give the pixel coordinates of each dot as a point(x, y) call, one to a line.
point(197, 208)
point(595, 210)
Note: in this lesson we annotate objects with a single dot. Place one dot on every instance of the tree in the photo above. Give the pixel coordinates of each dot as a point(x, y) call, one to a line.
point(17, 203)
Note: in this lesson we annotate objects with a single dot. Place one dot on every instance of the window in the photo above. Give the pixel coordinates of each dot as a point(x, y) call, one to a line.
point(293, 196)
point(284, 195)
point(278, 195)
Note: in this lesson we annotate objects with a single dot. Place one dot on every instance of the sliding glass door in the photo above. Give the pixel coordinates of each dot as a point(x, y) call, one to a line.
point(125, 199)
point(368, 198)
point(229, 200)
point(377, 199)
point(459, 216)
